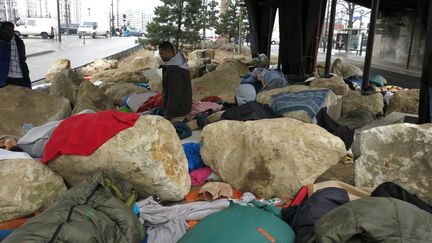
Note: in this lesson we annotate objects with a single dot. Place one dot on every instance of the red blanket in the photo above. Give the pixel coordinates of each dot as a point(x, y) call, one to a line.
point(83, 134)
point(153, 102)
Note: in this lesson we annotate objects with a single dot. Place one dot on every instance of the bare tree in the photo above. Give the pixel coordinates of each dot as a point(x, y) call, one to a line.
point(351, 10)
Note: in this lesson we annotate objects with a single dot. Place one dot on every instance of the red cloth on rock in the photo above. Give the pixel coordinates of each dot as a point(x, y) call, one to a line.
point(84, 133)
point(214, 99)
point(153, 102)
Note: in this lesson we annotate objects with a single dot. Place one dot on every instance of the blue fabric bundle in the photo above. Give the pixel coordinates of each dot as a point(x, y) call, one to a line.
point(274, 79)
point(192, 151)
point(310, 101)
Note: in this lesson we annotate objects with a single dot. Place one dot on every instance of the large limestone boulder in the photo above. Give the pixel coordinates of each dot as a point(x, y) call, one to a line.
point(66, 84)
point(91, 97)
point(58, 66)
point(121, 90)
point(399, 153)
point(148, 155)
point(99, 65)
point(222, 82)
point(355, 101)
point(405, 101)
point(27, 186)
point(343, 172)
point(269, 157)
point(345, 70)
point(205, 53)
point(22, 105)
point(154, 76)
point(114, 76)
point(198, 67)
point(392, 118)
point(335, 84)
point(194, 70)
point(145, 62)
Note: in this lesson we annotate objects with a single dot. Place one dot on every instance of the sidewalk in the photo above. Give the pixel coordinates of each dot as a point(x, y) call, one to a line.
point(395, 74)
point(78, 54)
point(413, 71)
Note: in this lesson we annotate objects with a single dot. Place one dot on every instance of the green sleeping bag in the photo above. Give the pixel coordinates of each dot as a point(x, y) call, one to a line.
point(258, 223)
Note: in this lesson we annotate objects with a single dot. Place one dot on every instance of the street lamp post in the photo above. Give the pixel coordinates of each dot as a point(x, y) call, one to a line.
point(58, 21)
point(361, 33)
point(10, 11)
point(40, 7)
point(66, 17)
point(6, 10)
point(112, 18)
point(118, 16)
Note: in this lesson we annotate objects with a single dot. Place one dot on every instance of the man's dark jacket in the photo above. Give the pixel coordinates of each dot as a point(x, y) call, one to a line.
point(177, 88)
point(5, 50)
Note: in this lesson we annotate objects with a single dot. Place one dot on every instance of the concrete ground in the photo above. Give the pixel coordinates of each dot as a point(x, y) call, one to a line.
point(42, 53)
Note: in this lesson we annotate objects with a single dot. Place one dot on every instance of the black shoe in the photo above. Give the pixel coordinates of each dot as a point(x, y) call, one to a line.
point(202, 121)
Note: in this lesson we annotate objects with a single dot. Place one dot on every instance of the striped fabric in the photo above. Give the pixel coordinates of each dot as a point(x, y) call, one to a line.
point(14, 65)
point(310, 101)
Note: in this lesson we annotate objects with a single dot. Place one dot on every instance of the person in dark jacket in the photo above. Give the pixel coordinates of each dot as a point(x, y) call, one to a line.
point(13, 66)
point(176, 83)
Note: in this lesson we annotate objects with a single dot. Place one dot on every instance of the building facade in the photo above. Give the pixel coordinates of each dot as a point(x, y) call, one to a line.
point(41, 9)
point(137, 18)
point(70, 11)
point(9, 10)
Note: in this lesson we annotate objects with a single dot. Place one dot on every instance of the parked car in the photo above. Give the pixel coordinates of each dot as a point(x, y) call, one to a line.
point(45, 27)
point(93, 29)
point(135, 32)
point(73, 29)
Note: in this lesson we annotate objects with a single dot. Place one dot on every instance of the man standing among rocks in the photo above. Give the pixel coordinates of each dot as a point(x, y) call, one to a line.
point(13, 66)
point(176, 83)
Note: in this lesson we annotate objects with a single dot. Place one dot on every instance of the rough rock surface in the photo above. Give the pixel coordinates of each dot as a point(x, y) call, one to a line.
point(198, 67)
point(355, 101)
point(405, 101)
point(154, 76)
point(343, 172)
point(22, 105)
point(197, 54)
point(222, 82)
point(399, 153)
point(99, 65)
point(269, 157)
point(345, 70)
point(356, 118)
point(113, 76)
point(148, 155)
point(119, 92)
point(27, 186)
point(66, 84)
point(335, 84)
point(56, 67)
point(91, 97)
point(194, 70)
point(145, 62)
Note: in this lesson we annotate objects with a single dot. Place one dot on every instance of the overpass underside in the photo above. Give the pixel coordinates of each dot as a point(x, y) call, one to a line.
point(300, 23)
